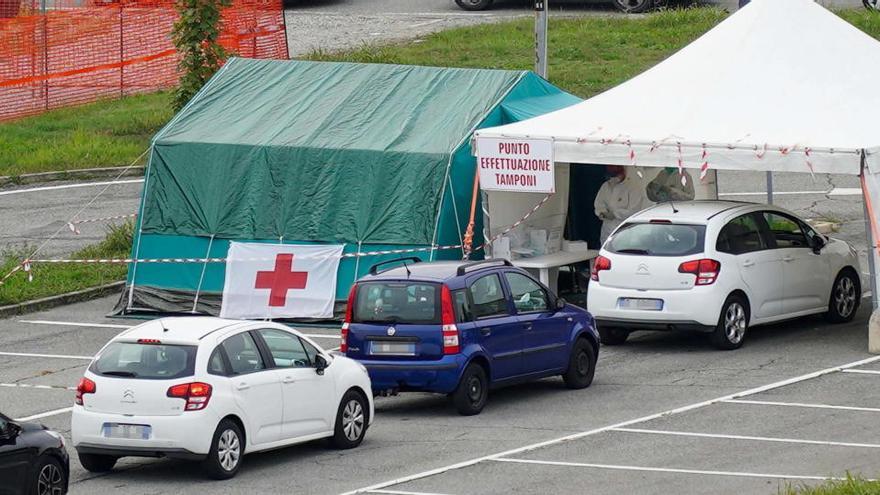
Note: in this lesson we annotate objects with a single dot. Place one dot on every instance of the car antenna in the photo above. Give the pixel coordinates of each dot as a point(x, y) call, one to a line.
point(162, 324)
point(673, 206)
point(408, 273)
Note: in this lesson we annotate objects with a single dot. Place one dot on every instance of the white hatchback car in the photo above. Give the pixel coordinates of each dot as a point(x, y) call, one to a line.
point(718, 267)
point(211, 389)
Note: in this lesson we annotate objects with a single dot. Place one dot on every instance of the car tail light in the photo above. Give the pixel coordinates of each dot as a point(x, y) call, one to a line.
point(149, 341)
point(705, 270)
point(196, 394)
point(349, 309)
point(85, 386)
point(599, 264)
point(451, 344)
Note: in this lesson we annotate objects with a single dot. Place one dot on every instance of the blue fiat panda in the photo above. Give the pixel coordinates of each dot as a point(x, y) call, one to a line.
point(462, 328)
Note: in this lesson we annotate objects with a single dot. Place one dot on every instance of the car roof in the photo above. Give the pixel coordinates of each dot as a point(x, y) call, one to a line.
point(434, 270)
point(178, 330)
point(700, 211)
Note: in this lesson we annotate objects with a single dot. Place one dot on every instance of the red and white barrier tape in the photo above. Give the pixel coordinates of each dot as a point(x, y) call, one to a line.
point(73, 223)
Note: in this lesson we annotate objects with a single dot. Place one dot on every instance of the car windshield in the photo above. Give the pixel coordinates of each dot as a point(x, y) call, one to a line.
point(658, 239)
point(146, 361)
point(397, 302)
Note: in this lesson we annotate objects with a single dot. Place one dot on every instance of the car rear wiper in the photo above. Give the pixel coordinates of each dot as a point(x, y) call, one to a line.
point(633, 251)
point(127, 374)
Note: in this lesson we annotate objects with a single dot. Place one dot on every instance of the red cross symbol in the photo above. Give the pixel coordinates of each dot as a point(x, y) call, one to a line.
point(282, 279)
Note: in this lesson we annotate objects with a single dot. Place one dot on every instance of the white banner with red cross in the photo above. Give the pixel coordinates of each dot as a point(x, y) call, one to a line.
point(280, 281)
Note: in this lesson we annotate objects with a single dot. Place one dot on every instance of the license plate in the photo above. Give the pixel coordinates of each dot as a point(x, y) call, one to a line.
point(127, 431)
point(640, 304)
point(393, 348)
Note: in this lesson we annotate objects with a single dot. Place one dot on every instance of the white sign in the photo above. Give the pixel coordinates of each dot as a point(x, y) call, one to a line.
point(280, 281)
point(520, 165)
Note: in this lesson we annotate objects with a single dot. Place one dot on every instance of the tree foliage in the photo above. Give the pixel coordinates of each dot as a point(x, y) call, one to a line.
point(195, 34)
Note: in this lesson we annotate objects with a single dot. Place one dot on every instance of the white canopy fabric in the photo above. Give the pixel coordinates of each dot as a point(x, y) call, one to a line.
point(781, 85)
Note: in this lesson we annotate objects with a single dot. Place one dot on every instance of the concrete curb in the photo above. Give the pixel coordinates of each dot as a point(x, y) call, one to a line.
point(81, 174)
point(60, 300)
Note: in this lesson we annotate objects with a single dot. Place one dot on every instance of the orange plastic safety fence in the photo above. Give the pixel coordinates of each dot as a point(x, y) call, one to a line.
point(67, 52)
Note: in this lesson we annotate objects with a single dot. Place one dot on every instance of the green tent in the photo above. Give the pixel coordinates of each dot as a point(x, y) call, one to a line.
point(375, 157)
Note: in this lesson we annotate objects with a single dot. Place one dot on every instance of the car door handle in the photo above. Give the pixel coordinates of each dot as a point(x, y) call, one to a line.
point(527, 326)
point(242, 386)
point(788, 258)
point(486, 331)
point(748, 263)
point(288, 379)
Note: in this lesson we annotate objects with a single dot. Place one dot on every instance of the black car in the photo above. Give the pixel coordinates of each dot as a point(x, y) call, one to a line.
point(33, 460)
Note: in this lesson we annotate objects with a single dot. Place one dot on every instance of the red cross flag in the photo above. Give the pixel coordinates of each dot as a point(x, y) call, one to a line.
point(280, 281)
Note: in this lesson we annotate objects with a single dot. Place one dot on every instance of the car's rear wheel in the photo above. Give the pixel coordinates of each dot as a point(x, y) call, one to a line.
point(224, 458)
point(474, 4)
point(97, 463)
point(613, 336)
point(472, 392)
point(846, 294)
point(50, 478)
point(352, 419)
point(581, 365)
point(733, 324)
point(634, 6)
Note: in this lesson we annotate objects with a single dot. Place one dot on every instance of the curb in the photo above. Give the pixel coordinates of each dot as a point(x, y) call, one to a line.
point(60, 300)
point(80, 174)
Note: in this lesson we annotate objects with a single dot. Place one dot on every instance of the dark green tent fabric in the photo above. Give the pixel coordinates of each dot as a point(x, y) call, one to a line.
point(374, 157)
point(337, 152)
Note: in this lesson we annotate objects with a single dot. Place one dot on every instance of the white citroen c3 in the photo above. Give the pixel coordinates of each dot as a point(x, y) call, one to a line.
point(210, 389)
point(718, 267)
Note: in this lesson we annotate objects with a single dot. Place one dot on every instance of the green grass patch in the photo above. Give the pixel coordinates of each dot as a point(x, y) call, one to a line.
point(52, 279)
point(103, 134)
point(852, 485)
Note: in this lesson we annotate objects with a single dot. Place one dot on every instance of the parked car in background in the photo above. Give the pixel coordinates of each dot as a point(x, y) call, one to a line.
point(212, 390)
point(33, 460)
point(719, 267)
point(629, 6)
point(461, 328)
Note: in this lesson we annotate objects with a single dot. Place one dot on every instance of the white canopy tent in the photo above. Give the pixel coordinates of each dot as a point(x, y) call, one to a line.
point(781, 85)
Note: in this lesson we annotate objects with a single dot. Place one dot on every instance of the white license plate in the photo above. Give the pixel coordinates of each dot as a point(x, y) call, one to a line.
point(640, 304)
point(393, 348)
point(127, 431)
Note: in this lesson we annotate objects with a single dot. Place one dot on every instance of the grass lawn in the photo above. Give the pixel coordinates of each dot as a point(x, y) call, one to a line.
point(50, 279)
point(103, 134)
point(586, 56)
point(851, 486)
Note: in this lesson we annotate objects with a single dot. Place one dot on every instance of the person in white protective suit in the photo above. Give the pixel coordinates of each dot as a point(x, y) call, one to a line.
point(618, 199)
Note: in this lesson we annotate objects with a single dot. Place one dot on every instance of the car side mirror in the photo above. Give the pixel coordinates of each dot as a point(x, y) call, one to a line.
point(10, 432)
point(320, 364)
point(818, 244)
point(560, 303)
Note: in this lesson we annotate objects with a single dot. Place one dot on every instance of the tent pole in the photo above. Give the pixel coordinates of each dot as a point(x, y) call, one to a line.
point(769, 187)
point(469, 232)
point(541, 38)
point(869, 234)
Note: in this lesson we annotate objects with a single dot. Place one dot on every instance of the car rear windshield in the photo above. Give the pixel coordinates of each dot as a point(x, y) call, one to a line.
point(658, 239)
point(397, 302)
point(146, 361)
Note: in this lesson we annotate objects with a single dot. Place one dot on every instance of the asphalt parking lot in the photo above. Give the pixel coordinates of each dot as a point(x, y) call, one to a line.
point(666, 414)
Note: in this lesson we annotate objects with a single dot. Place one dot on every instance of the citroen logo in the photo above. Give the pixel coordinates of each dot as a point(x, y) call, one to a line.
point(643, 269)
point(128, 394)
point(391, 331)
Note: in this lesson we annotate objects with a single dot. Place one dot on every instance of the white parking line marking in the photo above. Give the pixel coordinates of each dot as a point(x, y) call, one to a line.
point(59, 356)
point(863, 372)
point(575, 436)
point(400, 492)
point(743, 437)
point(42, 387)
point(46, 414)
point(74, 324)
point(674, 470)
point(801, 404)
point(70, 186)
